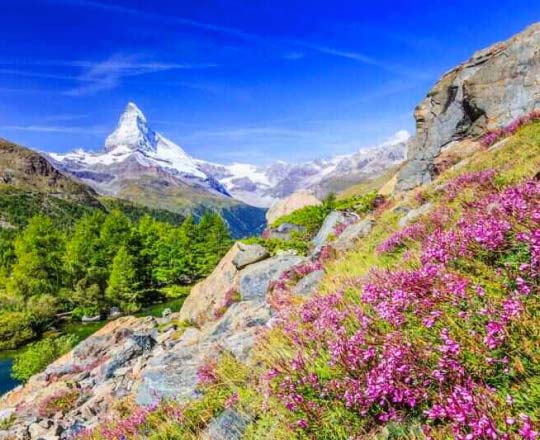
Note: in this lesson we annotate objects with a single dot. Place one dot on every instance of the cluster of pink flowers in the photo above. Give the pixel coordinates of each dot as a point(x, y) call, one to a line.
point(493, 136)
point(478, 180)
point(400, 238)
point(131, 426)
point(207, 374)
point(378, 371)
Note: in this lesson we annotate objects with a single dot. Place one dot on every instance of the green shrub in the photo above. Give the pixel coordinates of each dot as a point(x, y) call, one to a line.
point(62, 402)
point(360, 204)
point(38, 355)
point(15, 329)
point(298, 243)
point(311, 217)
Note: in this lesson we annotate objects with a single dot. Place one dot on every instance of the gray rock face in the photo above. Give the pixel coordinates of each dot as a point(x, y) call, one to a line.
point(173, 373)
point(333, 219)
point(352, 234)
point(413, 214)
point(285, 231)
point(495, 86)
point(308, 285)
point(256, 278)
point(229, 425)
point(249, 254)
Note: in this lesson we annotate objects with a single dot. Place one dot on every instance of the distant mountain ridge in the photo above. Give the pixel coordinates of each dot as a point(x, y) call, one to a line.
point(134, 150)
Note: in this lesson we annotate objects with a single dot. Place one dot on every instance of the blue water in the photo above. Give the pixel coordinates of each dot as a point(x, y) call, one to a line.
point(6, 381)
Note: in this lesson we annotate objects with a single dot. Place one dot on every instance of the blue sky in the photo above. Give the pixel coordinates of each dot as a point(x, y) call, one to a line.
point(233, 80)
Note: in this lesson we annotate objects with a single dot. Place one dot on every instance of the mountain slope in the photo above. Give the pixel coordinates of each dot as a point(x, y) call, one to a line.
point(30, 185)
point(142, 166)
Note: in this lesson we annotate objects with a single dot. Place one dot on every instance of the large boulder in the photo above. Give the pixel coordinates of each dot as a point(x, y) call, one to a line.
point(249, 254)
point(308, 285)
point(413, 214)
point(295, 201)
point(229, 425)
point(495, 86)
point(237, 329)
point(327, 230)
point(210, 294)
point(352, 233)
point(255, 279)
point(172, 373)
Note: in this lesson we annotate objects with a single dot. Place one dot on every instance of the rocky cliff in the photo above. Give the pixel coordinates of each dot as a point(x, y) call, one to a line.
point(495, 86)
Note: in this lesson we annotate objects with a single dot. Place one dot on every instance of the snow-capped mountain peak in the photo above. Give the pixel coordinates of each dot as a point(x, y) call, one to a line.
point(132, 150)
point(132, 132)
point(264, 185)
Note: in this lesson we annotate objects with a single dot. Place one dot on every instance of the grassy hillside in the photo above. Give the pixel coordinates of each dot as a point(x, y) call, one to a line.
point(157, 194)
point(428, 331)
point(30, 185)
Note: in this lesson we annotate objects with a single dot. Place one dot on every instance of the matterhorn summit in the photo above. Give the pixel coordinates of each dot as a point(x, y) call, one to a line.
point(132, 132)
point(132, 153)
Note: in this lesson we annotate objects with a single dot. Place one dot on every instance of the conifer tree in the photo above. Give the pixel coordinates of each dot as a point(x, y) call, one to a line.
point(122, 288)
point(38, 251)
point(84, 258)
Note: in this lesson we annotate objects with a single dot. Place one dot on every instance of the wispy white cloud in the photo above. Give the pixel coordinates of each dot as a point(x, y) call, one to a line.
point(248, 36)
point(293, 55)
point(96, 76)
point(339, 53)
point(367, 60)
point(107, 74)
point(33, 74)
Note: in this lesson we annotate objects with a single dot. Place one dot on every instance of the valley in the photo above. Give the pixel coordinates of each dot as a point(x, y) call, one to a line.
point(384, 292)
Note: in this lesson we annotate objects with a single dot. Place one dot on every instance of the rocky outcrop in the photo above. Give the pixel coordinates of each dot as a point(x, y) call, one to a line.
point(255, 279)
point(308, 285)
point(495, 86)
point(229, 425)
point(351, 234)
point(328, 229)
point(208, 295)
point(249, 254)
point(147, 359)
point(284, 231)
point(295, 201)
point(413, 214)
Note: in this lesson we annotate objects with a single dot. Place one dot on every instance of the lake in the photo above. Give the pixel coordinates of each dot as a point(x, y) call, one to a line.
point(81, 331)
point(6, 382)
